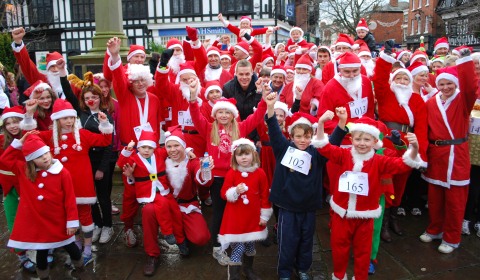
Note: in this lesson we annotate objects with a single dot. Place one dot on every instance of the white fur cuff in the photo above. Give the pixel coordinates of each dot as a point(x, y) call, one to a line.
point(71, 224)
point(387, 58)
point(226, 23)
point(17, 144)
point(17, 49)
point(200, 179)
point(266, 213)
point(114, 66)
point(320, 143)
point(126, 153)
point(196, 46)
point(416, 163)
point(105, 127)
point(163, 71)
point(463, 60)
point(231, 194)
point(28, 123)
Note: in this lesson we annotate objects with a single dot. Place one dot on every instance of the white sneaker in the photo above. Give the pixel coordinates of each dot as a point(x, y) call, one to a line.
point(416, 212)
point(446, 249)
point(115, 210)
point(107, 233)
point(96, 233)
point(130, 238)
point(466, 227)
point(477, 228)
point(425, 238)
point(220, 256)
point(401, 211)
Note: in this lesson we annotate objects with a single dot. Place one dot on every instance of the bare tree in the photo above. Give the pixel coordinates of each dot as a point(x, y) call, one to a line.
point(345, 14)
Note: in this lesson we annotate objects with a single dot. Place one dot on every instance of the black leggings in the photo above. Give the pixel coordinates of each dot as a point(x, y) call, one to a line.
point(218, 206)
point(71, 249)
point(472, 211)
point(102, 209)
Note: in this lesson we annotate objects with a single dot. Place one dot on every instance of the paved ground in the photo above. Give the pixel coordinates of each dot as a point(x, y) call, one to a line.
point(405, 258)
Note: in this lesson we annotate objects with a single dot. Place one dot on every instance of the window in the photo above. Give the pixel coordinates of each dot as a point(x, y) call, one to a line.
point(413, 27)
point(427, 20)
point(419, 25)
point(236, 7)
point(413, 5)
point(82, 10)
point(73, 44)
point(40, 12)
point(185, 7)
point(427, 3)
point(419, 4)
point(134, 9)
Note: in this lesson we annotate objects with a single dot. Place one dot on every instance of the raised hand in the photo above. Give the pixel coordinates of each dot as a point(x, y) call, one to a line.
point(395, 137)
point(130, 145)
point(18, 34)
point(128, 169)
point(102, 117)
point(165, 57)
point(327, 116)
point(31, 106)
point(24, 137)
point(341, 113)
point(113, 45)
point(412, 140)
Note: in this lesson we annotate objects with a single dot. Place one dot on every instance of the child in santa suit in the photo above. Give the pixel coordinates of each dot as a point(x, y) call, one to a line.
point(356, 192)
point(449, 174)
point(185, 178)
point(70, 144)
point(245, 26)
point(152, 189)
point(247, 211)
point(212, 93)
point(47, 217)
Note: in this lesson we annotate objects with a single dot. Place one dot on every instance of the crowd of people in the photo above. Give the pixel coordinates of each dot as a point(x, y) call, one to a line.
point(283, 130)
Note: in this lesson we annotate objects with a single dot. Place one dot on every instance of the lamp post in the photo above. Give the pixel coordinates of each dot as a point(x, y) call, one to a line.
point(275, 15)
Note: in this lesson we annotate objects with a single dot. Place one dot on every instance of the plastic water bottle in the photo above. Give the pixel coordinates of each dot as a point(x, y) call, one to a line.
point(205, 170)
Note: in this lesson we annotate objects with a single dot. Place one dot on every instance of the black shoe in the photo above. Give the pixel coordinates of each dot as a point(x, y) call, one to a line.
point(183, 248)
point(150, 266)
point(171, 239)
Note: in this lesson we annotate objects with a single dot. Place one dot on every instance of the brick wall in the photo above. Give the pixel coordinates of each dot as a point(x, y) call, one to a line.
point(383, 33)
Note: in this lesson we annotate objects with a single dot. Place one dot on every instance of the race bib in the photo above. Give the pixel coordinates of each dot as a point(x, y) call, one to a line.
point(297, 160)
point(353, 182)
point(138, 129)
point(184, 118)
point(358, 107)
point(474, 126)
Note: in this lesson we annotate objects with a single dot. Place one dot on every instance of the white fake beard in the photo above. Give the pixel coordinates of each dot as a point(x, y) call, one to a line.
point(301, 80)
point(402, 92)
point(369, 66)
point(351, 85)
point(185, 88)
point(313, 55)
point(336, 55)
point(176, 175)
point(175, 61)
point(212, 74)
point(54, 81)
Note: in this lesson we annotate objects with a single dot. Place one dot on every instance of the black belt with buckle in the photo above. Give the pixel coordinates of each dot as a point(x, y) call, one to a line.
point(405, 128)
point(457, 141)
point(152, 177)
point(190, 131)
point(186, 200)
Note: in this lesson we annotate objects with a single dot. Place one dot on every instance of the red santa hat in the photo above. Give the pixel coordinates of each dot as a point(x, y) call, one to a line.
point(185, 68)
point(246, 19)
point(457, 50)
point(298, 29)
point(305, 62)
point(61, 109)
point(15, 111)
point(148, 138)
point(34, 147)
point(175, 133)
point(448, 73)
point(211, 85)
point(282, 106)
point(289, 69)
point(265, 58)
point(243, 47)
point(301, 118)
point(174, 43)
point(224, 103)
point(242, 141)
point(399, 54)
point(278, 46)
point(213, 51)
point(52, 58)
point(417, 67)
point(344, 40)
point(138, 72)
point(367, 125)
point(278, 69)
point(418, 54)
point(402, 71)
point(348, 60)
point(38, 85)
point(135, 49)
point(441, 43)
point(438, 58)
point(362, 25)
point(364, 50)
point(226, 55)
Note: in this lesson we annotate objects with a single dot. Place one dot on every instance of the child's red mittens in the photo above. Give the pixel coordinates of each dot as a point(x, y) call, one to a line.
point(192, 33)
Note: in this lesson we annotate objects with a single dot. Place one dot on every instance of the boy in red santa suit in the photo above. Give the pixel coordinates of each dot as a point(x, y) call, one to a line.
point(356, 193)
point(307, 88)
point(245, 26)
point(448, 174)
point(153, 191)
point(212, 92)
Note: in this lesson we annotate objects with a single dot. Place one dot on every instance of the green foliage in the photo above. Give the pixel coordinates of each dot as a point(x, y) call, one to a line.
point(6, 54)
point(154, 46)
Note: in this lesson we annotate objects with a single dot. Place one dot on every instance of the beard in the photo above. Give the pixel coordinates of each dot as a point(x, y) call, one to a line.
point(336, 55)
point(212, 74)
point(351, 85)
point(402, 92)
point(301, 80)
point(175, 61)
point(54, 81)
point(369, 66)
point(185, 89)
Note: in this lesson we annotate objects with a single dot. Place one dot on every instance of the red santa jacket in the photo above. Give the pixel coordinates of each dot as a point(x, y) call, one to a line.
point(450, 164)
point(389, 110)
point(129, 105)
point(243, 212)
point(351, 205)
point(150, 177)
point(256, 58)
point(8, 180)
point(198, 64)
point(47, 207)
point(311, 95)
point(254, 32)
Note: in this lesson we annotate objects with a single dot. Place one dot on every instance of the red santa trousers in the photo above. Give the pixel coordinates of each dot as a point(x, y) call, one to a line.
point(85, 217)
point(196, 229)
point(343, 232)
point(267, 159)
point(129, 204)
point(446, 208)
point(152, 214)
point(399, 184)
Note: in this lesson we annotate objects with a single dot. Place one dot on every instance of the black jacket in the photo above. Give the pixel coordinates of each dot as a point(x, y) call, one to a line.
point(370, 41)
point(246, 99)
